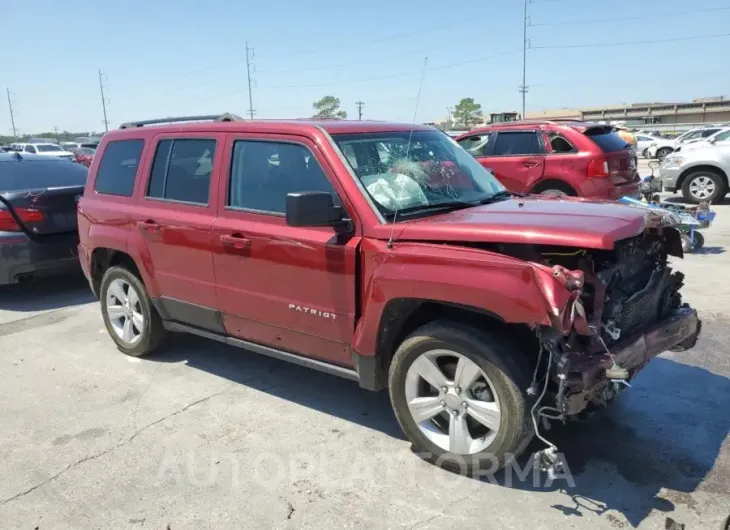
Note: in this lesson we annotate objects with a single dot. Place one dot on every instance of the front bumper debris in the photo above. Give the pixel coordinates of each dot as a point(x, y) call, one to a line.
point(586, 381)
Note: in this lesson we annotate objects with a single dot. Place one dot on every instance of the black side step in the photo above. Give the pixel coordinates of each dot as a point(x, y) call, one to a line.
point(315, 364)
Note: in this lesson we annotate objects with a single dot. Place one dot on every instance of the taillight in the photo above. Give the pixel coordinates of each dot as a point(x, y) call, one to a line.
point(598, 167)
point(26, 215)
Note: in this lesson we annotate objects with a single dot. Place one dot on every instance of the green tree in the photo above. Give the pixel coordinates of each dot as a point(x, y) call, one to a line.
point(467, 112)
point(328, 107)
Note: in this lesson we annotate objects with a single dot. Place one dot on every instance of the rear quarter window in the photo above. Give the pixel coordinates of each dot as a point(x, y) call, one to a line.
point(607, 140)
point(36, 174)
point(118, 167)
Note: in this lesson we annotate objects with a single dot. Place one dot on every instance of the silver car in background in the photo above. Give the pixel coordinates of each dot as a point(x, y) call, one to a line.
point(701, 174)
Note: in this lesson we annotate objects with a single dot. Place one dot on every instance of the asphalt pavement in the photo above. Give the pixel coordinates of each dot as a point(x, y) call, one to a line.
point(207, 436)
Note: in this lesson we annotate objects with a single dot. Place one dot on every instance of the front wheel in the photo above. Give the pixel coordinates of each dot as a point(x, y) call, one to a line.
point(459, 396)
point(703, 185)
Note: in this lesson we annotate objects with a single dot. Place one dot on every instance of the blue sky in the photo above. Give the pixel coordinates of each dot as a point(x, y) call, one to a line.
point(165, 57)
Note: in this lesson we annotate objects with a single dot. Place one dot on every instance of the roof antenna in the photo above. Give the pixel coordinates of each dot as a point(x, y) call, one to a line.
point(408, 149)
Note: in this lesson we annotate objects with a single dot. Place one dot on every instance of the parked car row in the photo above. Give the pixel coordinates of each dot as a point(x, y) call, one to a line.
point(655, 147)
point(83, 153)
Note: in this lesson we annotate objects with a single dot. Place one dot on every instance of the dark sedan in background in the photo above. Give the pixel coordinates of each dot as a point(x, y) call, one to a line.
point(38, 234)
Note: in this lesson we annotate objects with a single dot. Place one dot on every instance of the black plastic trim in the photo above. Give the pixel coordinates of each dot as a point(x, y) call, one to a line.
point(315, 364)
point(185, 312)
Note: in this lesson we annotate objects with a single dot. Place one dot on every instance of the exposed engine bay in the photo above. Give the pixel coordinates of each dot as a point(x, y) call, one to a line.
point(624, 290)
point(626, 309)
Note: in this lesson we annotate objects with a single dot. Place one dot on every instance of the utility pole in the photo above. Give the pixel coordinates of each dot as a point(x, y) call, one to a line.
point(525, 44)
point(55, 131)
point(12, 115)
point(249, 64)
point(103, 100)
point(359, 109)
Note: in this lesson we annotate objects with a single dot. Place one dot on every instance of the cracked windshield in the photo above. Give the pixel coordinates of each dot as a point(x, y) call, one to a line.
point(392, 264)
point(410, 172)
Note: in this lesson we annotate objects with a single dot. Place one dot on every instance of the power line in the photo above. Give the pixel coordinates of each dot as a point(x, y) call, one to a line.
point(523, 87)
point(360, 44)
point(360, 80)
point(379, 59)
point(622, 19)
point(359, 109)
point(104, 100)
point(12, 115)
point(613, 44)
point(249, 54)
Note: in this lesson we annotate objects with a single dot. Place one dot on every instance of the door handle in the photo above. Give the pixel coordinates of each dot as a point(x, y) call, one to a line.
point(530, 163)
point(235, 241)
point(149, 225)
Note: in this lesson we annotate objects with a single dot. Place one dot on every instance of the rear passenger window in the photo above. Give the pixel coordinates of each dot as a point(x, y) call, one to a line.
point(118, 167)
point(559, 144)
point(263, 173)
point(517, 143)
point(476, 145)
point(181, 170)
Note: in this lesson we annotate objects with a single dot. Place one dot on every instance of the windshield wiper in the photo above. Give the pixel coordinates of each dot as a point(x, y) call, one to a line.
point(500, 196)
point(450, 205)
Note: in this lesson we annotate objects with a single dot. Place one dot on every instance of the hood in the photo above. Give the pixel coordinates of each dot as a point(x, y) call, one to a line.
point(569, 222)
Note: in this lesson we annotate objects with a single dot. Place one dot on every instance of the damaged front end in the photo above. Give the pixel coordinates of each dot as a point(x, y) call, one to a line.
point(611, 312)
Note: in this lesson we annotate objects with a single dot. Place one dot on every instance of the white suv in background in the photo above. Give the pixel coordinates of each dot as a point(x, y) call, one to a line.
point(44, 150)
point(662, 147)
point(720, 138)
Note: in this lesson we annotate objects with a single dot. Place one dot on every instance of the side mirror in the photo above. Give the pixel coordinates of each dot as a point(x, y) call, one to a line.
point(712, 139)
point(312, 208)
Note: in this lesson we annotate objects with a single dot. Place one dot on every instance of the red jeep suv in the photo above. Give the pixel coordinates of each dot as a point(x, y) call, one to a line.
point(557, 158)
point(383, 253)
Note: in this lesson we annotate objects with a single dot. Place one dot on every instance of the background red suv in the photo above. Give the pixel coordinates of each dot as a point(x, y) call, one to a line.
point(565, 158)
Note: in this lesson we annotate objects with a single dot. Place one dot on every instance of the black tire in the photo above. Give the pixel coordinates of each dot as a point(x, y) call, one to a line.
point(645, 153)
point(554, 188)
point(720, 187)
point(505, 365)
point(662, 153)
point(699, 240)
point(154, 332)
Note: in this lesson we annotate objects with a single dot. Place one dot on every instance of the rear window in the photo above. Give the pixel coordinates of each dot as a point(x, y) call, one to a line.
point(118, 167)
point(607, 140)
point(33, 174)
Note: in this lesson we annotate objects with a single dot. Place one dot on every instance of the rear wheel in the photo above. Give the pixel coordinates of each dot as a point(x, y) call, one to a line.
point(554, 188)
point(459, 396)
point(703, 185)
point(129, 316)
point(645, 153)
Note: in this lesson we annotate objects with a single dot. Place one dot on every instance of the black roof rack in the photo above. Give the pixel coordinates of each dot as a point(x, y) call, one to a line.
point(227, 116)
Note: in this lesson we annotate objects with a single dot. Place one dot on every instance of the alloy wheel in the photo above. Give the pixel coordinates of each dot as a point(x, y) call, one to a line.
point(124, 309)
point(702, 187)
point(452, 401)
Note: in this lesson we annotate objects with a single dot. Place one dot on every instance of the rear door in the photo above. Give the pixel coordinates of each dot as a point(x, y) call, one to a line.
point(174, 219)
point(516, 157)
point(39, 196)
point(620, 155)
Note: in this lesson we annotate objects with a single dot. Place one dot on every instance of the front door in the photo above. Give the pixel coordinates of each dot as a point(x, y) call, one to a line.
point(284, 287)
point(174, 220)
point(517, 159)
